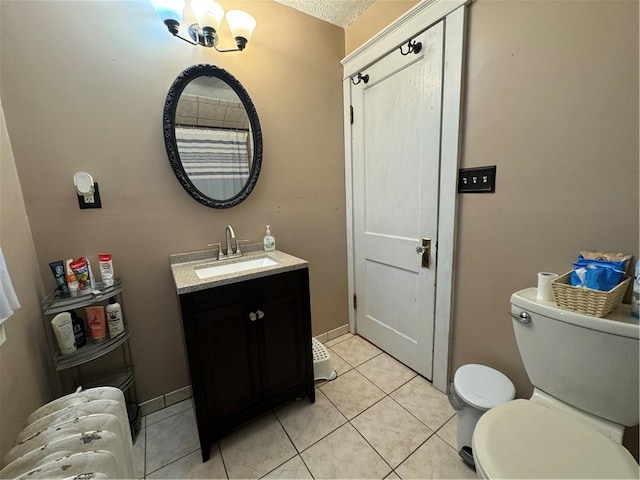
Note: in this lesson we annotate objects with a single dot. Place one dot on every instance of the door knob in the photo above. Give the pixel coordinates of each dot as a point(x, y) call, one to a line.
point(260, 313)
point(252, 316)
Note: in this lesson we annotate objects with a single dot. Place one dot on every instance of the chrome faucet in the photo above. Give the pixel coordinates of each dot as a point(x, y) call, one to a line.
point(231, 236)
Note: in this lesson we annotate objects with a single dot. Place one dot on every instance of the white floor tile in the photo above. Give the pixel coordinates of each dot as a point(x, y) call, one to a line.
point(391, 430)
point(306, 423)
point(344, 454)
point(170, 439)
point(423, 400)
point(338, 364)
point(449, 432)
point(434, 459)
point(293, 469)
point(167, 412)
point(139, 450)
point(191, 466)
point(257, 448)
point(339, 339)
point(386, 372)
point(356, 350)
point(351, 393)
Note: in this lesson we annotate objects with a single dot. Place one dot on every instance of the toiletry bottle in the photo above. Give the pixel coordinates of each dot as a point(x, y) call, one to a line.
point(635, 301)
point(78, 330)
point(106, 268)
point(269, 241)
point(114, 318)
point(57, 268)
point(96, 321)
point(63, 329)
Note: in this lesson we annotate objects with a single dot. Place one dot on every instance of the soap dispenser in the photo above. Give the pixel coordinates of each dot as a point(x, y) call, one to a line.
point(269, 241)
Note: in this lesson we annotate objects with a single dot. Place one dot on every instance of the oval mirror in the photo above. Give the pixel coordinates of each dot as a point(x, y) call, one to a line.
point(212, 135)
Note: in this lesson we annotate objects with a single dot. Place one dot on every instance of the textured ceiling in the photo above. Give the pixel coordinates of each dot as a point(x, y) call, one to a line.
point(338, 12)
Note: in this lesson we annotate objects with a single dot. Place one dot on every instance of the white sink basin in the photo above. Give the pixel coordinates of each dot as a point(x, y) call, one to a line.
point(209, 271)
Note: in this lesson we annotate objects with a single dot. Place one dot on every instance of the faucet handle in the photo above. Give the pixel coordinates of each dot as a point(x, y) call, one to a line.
point(238, 242)
point(219, 245)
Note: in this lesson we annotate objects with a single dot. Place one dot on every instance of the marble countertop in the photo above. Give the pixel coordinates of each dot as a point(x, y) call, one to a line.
point(183, 267)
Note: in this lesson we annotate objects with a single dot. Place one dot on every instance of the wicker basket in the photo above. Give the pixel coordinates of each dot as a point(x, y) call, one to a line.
point(585, 300)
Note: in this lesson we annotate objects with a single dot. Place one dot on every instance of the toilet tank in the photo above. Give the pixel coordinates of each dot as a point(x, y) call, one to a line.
point(587, 362)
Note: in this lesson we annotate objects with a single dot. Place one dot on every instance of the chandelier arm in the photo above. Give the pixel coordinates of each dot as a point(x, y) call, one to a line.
point(186, 40)
point(227, 50)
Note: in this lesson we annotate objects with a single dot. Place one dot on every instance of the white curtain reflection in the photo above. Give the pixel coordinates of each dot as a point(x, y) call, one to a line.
point(217, 161)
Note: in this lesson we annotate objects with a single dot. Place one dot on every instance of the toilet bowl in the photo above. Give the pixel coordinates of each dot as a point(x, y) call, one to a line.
point(585, 375)
point(475, 390)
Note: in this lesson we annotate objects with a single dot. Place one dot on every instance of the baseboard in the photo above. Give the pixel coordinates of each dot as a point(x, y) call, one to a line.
point(331, 334)
point(166, 400)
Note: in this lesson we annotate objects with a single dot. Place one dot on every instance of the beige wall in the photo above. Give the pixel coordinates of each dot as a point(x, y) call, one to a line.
point(555, 107)
point(552, 99)
point(372, 20)
point(88, 96)
point(26, 374)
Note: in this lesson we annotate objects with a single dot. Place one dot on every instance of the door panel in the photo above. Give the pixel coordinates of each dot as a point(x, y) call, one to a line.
point(283, 356)
point(231, 367)
point(396, 147)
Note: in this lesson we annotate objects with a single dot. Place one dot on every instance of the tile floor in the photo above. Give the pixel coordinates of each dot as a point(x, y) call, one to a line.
point(377, 419)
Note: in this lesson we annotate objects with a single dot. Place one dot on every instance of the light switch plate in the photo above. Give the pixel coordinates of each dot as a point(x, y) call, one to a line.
point(477, 180)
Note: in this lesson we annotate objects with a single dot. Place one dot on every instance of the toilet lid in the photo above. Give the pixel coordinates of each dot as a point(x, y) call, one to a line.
point(523, 439)
point(482, 387)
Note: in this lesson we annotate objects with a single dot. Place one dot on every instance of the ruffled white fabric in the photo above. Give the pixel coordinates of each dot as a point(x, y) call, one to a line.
point(8, 298)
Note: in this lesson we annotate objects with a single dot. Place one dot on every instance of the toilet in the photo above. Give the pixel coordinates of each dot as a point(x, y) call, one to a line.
point(475, 390)
point(585, 376)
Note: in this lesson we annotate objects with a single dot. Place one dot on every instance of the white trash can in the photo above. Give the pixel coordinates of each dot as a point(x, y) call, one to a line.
point(476, 389)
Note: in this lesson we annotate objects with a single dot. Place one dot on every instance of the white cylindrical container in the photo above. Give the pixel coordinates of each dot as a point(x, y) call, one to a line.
point(114, 318)
point(544, 293)
point(63, 329)
point(477, 388)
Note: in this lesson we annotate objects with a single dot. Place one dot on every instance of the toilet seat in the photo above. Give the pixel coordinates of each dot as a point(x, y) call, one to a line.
point(482, 387)
point(523, 439)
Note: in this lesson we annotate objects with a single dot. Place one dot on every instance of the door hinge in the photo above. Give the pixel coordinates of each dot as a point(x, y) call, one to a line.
point(355, 301)
point(351, 114)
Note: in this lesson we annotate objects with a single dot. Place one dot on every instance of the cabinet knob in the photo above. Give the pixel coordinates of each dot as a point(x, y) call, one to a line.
point(252, 316)
point(260, 313)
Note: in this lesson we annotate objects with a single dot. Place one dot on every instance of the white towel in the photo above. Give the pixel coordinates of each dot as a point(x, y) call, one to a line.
point(8, 299)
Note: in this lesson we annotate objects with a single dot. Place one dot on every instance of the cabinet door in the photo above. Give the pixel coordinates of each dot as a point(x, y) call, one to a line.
point(230, 365)
point(282, 351)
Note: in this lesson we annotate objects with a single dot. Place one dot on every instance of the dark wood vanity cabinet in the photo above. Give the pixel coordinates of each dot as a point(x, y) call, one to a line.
point(249, 349)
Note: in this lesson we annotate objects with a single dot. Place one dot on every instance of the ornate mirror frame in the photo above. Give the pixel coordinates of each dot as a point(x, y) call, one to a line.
point(168, 122)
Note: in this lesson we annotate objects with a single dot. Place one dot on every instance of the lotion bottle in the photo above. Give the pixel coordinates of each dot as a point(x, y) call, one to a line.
point(97, 322)
point(63, 328)
point(114, 318)
point(269, 241)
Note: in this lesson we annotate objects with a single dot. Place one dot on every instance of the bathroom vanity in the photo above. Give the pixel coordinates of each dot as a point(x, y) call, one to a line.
point(247, 330)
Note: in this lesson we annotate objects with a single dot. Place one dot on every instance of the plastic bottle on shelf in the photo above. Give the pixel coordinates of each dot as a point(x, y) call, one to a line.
point(269, 242)
point(63, 329)
point(96, 321)
point(78, 330)
point(114, 318)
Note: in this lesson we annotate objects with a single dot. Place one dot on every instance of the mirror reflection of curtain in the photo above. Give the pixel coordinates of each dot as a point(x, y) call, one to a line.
point(217, 161)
